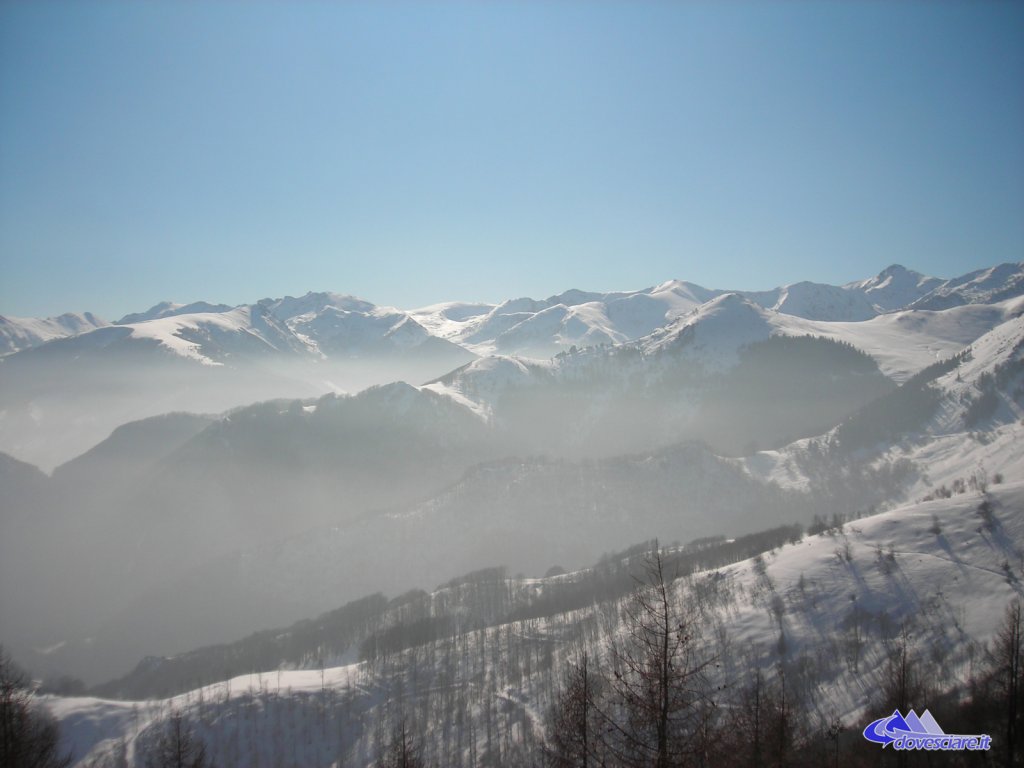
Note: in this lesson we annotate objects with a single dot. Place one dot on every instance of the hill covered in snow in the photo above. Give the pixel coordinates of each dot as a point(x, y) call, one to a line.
point(17, 333)
point(822, 623)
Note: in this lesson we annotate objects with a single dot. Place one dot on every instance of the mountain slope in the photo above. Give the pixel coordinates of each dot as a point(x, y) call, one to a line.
point(895, 287)
point(983, 286)
point(954, 422)
point(18, 333)
point(827, 610)
point(170, 309)
point(163, 499)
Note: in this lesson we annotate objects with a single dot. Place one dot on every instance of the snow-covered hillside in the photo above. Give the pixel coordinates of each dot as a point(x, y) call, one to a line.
point(713, 334)
point(17, 333)
point(979, 423)
point(957, 419)
point(895, 287)
point(983, 286)
point(930, 580)
point(170, 309)
point(212, 338)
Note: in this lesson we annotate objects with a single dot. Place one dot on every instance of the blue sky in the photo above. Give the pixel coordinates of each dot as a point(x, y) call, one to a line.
point(412, 153)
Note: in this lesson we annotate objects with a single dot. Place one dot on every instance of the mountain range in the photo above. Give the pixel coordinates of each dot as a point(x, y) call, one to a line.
point(331, 323)
point(206, 358)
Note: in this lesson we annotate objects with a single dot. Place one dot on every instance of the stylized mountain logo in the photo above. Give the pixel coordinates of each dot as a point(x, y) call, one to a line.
point(920, 732)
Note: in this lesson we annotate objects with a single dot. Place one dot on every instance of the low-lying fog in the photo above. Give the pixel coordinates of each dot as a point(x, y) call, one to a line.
point(183, 530)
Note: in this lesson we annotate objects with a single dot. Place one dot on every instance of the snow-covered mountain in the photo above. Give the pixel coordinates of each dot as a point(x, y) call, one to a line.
point(700, 347)
point(892, 289)
point(958, 419)
point(170, 309)
point(316, 326)
point(342, 324)
point(975, 424)
point(337, 326)
point(901, 342)
point(215, 338)
point(17, 333)
point(714, 333)
point(895, 287)
point(59, 398)
point(184, 359)
point(984, 286)
point(542, 328)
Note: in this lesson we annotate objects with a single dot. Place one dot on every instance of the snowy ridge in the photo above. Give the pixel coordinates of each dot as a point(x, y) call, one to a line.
point(982, 286)
point(895, 287)
point(18, 333)
point(901, 342)
point(312, 303)
point(711, 337)
point(448, 320)
point(349, 332)
point(327, 323)
point(542, 328)
point(212, 338)
point(813, 301)
point(315, 326)
point(170, 309)
point(480, 384)
point(715, 331)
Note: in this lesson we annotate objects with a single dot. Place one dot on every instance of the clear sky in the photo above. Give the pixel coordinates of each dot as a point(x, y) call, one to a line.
point(413, 153)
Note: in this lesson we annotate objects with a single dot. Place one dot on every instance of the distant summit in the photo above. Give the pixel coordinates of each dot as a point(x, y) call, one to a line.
point(895, 287)
point(17, 333)
point(170, 309)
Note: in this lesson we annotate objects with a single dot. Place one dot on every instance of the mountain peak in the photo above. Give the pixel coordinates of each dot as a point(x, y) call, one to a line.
point(173, 309)
point(895, 269)
point(895, 287)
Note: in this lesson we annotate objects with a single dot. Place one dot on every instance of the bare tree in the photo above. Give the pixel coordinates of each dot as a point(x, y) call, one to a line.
point(748, 722)
point(660, 678)
point(1007, 658)
point(402, 752)
point(574, 733)
point(28, 736)
point(900, 683)
point(178, 746)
